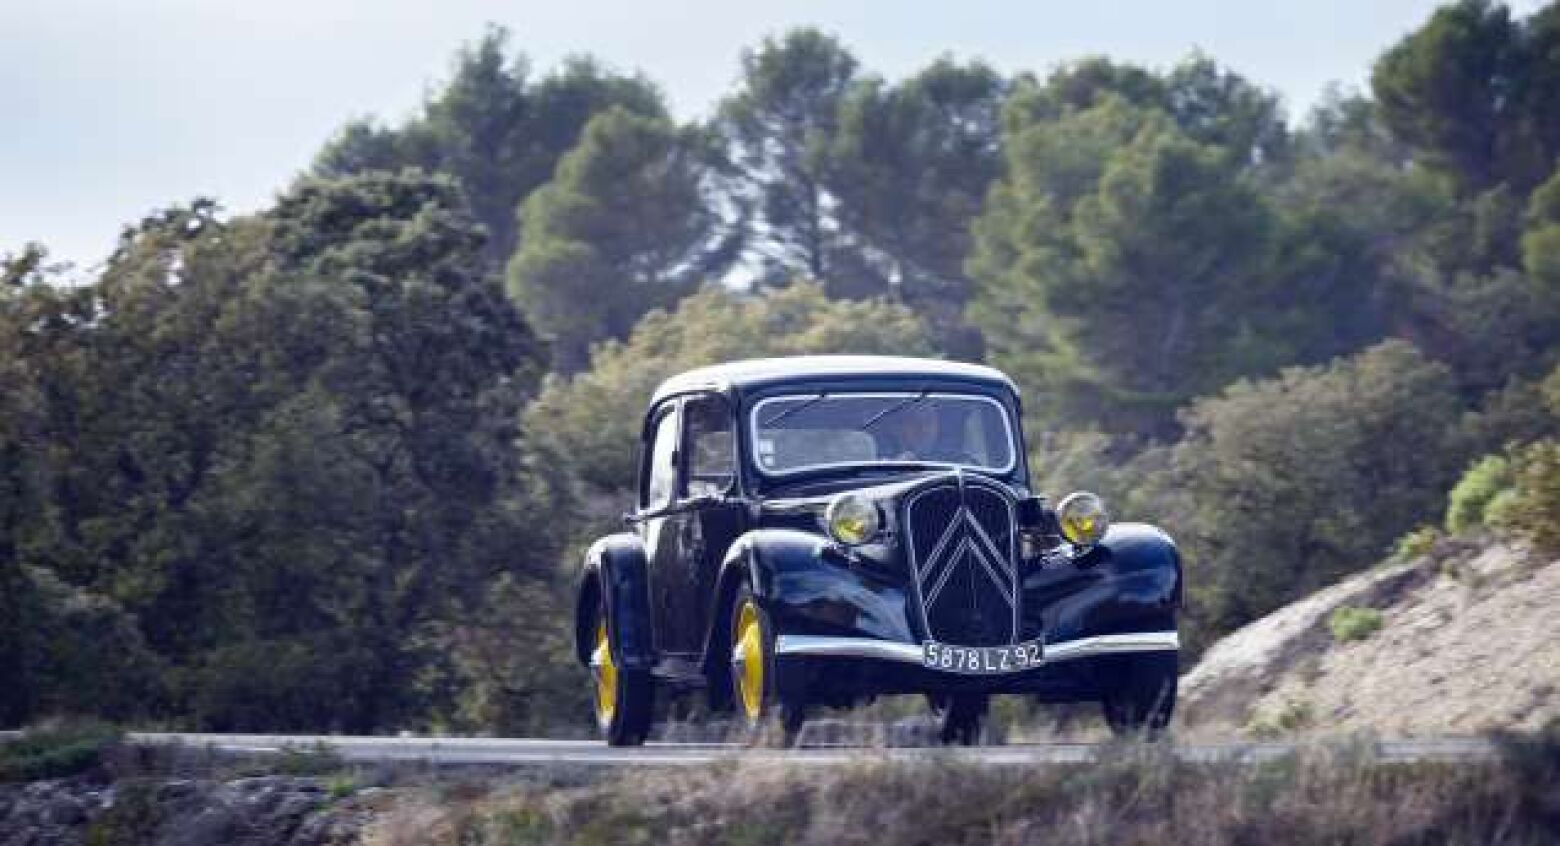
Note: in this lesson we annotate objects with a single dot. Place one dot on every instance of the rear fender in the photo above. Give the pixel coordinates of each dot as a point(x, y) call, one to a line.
point(616, 575)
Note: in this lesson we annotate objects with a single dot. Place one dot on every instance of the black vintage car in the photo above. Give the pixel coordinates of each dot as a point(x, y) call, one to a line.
point(822, 530)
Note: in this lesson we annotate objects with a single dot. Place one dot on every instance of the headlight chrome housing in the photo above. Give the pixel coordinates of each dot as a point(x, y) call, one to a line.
point(852, 519)
point(1083, 518)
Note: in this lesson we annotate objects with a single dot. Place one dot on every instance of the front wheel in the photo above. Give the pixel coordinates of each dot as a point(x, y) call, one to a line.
point(623, 696)
point(756, 687)
point(1139, 693)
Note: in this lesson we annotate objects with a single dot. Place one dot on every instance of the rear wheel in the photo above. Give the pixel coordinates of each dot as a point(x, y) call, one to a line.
point(623, 696)
point(961, 717)
point(1140, 693)
point(756, 686)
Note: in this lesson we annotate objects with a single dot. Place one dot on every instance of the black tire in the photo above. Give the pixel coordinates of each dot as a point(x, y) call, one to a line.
point(624, 698)
point(1139, 693)
point(961, 717)
point(762, 698)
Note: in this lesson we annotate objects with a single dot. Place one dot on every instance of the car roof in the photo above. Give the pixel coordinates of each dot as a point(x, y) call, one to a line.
point(764, 372)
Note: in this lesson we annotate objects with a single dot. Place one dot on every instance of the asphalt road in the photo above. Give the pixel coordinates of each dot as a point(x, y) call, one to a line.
point(532, 752)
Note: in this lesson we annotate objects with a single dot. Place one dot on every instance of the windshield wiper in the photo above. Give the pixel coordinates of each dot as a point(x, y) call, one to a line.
point(907, 401)
point(890, 466)
point(793, 410)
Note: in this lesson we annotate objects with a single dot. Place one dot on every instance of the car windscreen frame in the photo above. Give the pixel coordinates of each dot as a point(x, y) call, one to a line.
point(1003, 413)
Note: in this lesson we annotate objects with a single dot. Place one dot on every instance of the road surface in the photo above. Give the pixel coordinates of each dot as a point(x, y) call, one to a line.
point(531, 752)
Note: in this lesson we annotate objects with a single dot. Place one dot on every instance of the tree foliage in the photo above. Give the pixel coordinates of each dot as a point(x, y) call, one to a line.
point(910, 166)
point(624, 227)
point(493, 128)
point(1284, 485)
point(286, 446)
point(1122, 265)
point(1476, 93)
point(593, 418)
point(781, 122)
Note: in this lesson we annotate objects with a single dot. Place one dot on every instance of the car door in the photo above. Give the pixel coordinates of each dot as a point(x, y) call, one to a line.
point(660, 520)
point(713, 516)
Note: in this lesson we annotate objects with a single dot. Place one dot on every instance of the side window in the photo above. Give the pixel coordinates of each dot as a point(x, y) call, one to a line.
point(660, 470)
point(711, 458)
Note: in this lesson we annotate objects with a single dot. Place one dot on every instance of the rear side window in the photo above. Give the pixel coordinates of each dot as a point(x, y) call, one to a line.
point(660, 470)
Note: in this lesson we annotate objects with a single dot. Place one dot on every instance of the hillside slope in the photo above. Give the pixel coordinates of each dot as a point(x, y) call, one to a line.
point(1469, 640)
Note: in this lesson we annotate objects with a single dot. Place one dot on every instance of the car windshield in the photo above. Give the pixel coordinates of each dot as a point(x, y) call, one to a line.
point(810, 431)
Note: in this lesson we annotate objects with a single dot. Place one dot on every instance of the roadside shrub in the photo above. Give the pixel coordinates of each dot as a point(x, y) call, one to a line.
point(1350, 624)
point(1294, 717)
point(1416, 543)
point(57, 750)
point(1470, 498)
point(1533, 509)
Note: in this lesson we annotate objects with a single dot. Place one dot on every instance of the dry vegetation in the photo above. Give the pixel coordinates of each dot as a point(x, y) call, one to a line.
point(1137, 795)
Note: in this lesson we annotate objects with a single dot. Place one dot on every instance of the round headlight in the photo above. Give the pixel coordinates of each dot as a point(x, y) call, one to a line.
point(1083, 518)
point(852, 519)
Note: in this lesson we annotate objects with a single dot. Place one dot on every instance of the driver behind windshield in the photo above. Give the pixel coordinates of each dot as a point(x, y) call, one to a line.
point(916, 433)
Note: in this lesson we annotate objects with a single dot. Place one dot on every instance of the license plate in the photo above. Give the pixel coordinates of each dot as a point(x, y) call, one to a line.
point(983, 660)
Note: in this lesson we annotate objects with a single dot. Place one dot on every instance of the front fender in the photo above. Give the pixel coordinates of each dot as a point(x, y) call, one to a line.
point(616, 574)
point(808, 585)
point(1130, 582)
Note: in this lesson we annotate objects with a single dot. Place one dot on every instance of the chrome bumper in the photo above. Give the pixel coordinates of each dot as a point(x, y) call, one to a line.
point(910, 653)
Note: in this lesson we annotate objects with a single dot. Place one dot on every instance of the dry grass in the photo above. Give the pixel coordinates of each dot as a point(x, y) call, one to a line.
point(1138, 794)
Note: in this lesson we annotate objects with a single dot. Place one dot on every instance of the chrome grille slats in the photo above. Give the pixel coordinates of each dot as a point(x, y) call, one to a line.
point(960, 542)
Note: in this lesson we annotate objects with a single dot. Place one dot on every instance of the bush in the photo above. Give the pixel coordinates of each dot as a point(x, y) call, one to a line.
point(1470, 499)
point(82, 653)
point(1416, 543)
point(1533, 508)
point(1286, 485)
point(57, 750)
point(1351, 624)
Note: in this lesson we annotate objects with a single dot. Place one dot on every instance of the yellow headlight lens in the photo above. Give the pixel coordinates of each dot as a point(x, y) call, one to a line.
point(1083, 518)
point(852, 519)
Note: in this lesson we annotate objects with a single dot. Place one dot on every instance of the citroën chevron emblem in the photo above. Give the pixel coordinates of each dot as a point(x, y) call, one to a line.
point(964, 543)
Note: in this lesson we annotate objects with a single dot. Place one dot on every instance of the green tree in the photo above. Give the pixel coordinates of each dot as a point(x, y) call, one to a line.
point(1474, 90)
point(781, 122)
point(1282, 486)
point(910, 166)
point(282, 451)
point(1122, 266)
point(624, 227)
point(1541, 238)
point(1442, 87)
point(1210, 104)
point(389, 477)
point(493, 128)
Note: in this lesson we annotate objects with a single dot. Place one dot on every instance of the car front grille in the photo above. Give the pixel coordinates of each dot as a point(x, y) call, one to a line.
point(960, 536)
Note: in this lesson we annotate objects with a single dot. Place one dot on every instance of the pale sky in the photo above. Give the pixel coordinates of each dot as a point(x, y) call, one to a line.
point(112, 108)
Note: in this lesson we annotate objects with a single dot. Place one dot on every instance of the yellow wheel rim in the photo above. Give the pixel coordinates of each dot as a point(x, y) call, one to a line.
point(749, 655)
point(606, 676)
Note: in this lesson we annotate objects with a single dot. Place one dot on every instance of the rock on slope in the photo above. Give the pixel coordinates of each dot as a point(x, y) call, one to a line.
point(1469, 641)
point(268, 810)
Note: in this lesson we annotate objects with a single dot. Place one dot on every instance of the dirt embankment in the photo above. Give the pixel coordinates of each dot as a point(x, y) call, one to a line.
point(1461, 640)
